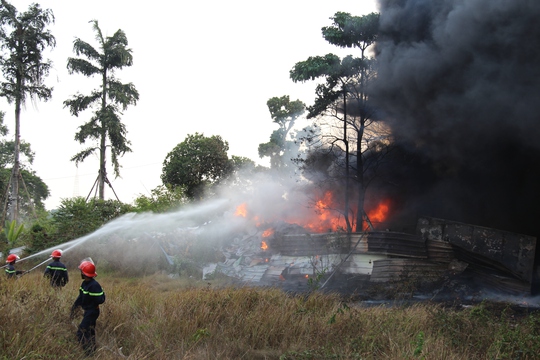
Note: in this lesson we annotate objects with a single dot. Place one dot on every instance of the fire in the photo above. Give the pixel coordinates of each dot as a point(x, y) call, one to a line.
point(379, 213)
point(326, 215)
point(326, 218)
point(241, 210)
point(264, 245)
point(268, 232)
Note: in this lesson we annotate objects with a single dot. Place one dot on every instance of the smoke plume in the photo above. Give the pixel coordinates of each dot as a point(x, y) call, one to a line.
point(459, 84)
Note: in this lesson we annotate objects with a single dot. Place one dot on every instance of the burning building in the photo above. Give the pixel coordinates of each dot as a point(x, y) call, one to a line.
point(293, 256)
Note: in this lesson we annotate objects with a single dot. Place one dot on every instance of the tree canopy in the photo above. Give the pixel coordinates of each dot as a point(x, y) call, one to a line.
point(284, 112)
point(197, 163)
point(352, 31)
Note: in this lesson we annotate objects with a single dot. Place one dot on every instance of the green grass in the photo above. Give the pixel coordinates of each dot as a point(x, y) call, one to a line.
point(156, 317)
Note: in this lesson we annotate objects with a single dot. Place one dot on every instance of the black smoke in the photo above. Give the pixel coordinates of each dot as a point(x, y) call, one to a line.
point(459, 85)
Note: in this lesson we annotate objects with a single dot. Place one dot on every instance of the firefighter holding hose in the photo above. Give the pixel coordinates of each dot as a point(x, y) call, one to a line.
point(57, 271)
point(91, 295)
point(10, 269)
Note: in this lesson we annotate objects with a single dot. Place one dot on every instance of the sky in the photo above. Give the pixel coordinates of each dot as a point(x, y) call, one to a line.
point(205, 66)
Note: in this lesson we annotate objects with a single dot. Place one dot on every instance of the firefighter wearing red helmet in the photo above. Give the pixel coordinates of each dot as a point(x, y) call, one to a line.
point(91, 295)
point(10, 269)
point(57, 271)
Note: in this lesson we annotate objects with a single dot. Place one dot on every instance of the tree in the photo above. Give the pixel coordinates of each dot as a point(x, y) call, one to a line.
point(343, 96)
point(162, 199)
point(339, 75)
point(284, 113)
point(197, 163)
point(108, 100)
point(35, 191)
point(23, 39)
point(359, 32)
point(75, 217)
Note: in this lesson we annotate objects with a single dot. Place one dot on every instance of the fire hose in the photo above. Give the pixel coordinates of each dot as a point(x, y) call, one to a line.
point(35, 267)
point(27, 271)
point(40, 264)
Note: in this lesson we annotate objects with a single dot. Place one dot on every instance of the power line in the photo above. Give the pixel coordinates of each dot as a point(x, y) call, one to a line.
point(93, 174)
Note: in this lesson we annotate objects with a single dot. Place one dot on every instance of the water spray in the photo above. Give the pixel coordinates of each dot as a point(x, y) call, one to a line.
point(71, 244)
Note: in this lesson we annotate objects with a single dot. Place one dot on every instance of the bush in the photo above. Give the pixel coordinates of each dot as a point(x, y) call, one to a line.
point(75, 217)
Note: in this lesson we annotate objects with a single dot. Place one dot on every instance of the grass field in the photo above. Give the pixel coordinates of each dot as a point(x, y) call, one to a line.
point(156, 317)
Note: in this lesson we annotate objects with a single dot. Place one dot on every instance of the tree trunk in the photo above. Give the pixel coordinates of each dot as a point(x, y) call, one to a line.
point(103, 145)
point(347, 170)
point(359, 159)
point(360, 179)
point(14, 214)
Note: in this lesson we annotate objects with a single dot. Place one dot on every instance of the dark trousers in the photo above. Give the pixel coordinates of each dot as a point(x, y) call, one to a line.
point(86, 333)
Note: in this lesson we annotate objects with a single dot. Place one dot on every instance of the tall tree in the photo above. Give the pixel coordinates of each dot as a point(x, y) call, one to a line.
point(358, 32)
point(23, 39)
point(108, 100)
point(344, 93)
point(197, 163)
point(284, 112)
point(339, 75)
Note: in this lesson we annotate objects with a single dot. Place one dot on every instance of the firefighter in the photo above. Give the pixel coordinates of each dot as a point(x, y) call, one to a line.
point(10, 269)
point(91, 295)
point(57, 271)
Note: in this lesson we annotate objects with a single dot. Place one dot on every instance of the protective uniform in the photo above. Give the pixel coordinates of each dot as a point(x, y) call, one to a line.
point(91, 295)
point(57, 271)
point(10, 269)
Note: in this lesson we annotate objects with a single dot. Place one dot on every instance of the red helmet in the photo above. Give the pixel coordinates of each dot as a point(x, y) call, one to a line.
point(88, 269)
point(12, 257)
point(56, 253)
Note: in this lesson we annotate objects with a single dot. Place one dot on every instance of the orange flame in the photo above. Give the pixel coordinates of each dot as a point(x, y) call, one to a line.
point(378, 214)
point(241, 210)
point(326, 216)
point(268, 232)
point(264, 245)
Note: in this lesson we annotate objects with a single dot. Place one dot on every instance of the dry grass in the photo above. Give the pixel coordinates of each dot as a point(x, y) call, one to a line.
point(160, 318)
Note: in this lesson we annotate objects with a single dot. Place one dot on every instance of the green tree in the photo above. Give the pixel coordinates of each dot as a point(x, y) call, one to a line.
point(23, 39)
point(284, 112)
point(162, 199)
point(108, 100)
point(35, 191)
point(197, 163)
point(360, 32)
point(343, 96)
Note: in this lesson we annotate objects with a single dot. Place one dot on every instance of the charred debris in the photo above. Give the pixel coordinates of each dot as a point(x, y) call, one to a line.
point(442, 259)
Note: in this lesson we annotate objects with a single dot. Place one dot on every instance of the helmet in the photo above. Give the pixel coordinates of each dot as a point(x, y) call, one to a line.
point(56, 253)
point(12, 257)
point(88, 269)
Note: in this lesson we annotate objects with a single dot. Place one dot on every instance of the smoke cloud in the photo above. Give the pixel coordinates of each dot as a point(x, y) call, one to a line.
point(459, 84)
